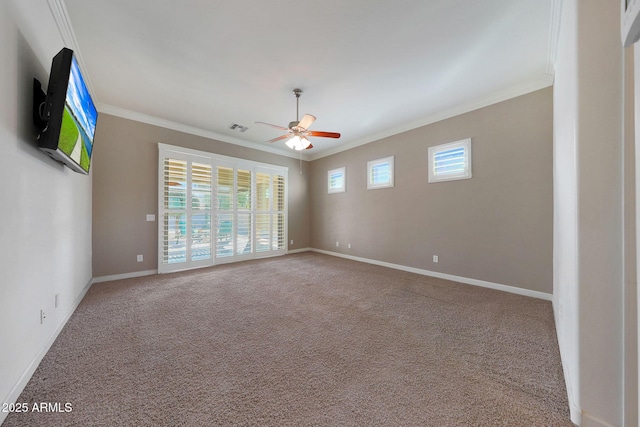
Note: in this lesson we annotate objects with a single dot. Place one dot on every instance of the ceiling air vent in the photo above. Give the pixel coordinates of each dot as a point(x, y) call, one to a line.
point(238, 127)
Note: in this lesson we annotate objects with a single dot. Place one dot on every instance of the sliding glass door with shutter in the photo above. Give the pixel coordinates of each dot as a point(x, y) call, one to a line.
point(216, 209)
point(270, 212)
point(251, 215)
point(235, 220)
point(185, 213)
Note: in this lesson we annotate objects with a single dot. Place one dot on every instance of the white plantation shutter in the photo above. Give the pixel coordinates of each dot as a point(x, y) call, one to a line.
point(216, 209)
point(380, 173)
point(174, 201)
point(336, 180)
point(278, 213)
point(263, 211)
point(225, 203)
point(201, 209)
point(244, 197)
point(251, 214)
point(185, 212)
point(450, 161)
point(271, 221)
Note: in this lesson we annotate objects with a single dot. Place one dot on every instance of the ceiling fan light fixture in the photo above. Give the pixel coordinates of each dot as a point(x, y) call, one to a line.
point(298, 143)
point(304, 143)
point(293, 142)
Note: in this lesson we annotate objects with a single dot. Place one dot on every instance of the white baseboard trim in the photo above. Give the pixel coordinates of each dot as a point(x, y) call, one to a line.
point(297, 251)
point(112, 277)
point(497, 286)
point(589, 420)
point(14, 394)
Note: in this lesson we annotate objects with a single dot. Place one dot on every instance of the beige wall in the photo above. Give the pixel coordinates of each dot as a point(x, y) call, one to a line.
point(495, 227)
point(125, 171)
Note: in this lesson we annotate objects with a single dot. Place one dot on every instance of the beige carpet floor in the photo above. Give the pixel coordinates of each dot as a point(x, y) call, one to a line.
point(301, 340)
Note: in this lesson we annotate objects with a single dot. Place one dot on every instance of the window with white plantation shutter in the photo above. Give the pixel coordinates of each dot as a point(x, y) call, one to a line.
point(216, 209)
point(336, 180)
point(450, 161)
point(380, 173)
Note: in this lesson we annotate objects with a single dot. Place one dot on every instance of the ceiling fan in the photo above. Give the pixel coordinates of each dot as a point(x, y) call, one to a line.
point(298, 130)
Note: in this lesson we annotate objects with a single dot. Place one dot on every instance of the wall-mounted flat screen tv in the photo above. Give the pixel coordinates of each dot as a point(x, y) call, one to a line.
point(66, 115)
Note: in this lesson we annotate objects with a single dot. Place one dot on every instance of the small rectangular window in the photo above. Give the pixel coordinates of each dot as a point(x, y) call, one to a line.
point(337, 180)
point(380, 173)
point(450, 161)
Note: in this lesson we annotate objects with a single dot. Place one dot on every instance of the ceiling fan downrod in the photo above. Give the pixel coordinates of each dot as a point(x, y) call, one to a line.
point(297, 92)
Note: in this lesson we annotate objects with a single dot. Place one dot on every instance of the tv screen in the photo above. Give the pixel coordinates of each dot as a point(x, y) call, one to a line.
point(69, 114)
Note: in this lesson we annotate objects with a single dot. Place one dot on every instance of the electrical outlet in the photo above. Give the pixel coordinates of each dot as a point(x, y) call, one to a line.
point(140, 258)
point(337, 244)
point(42, 316)
point(348, 245)
point(291, 242)
point(56, 300)
point(435, 258)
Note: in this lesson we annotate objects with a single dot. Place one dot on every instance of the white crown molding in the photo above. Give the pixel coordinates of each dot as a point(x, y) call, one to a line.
point(495, 98)
point(554, 36)
point(61, 18)
point(192, 130)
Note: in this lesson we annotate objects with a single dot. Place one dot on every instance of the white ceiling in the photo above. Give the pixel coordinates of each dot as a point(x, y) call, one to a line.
point(368, 69)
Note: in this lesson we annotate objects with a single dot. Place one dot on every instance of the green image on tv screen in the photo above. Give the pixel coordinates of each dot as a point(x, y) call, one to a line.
point(78, 120)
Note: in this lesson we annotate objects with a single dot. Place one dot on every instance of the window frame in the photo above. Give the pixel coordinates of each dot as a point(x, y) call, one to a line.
point(371, 164)
point(341, 189)
point(466, 173)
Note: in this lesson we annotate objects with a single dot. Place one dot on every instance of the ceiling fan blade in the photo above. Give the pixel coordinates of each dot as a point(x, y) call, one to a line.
point(279, 138)
point(323, 134)
point(310, 147)
point(273, 126)
point(307, 120)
